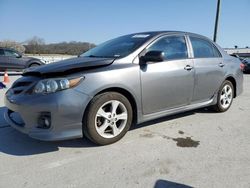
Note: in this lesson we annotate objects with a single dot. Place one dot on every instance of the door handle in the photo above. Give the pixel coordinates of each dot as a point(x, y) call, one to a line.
point(188, 67)
point(221, 64)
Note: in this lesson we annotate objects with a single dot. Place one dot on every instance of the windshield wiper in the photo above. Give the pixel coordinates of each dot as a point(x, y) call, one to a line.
point(115, 56)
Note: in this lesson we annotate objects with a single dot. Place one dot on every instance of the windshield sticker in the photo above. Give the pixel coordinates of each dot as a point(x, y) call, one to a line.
point(140, 36)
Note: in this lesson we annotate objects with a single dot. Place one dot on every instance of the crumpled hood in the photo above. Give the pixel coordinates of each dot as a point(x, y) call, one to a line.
point(68, 66)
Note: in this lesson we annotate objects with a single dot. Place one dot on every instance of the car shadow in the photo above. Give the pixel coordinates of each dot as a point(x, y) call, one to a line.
point(15, 143)
point(169, 184)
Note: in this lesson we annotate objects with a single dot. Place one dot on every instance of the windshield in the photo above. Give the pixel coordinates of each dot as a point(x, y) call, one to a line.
point(118, 47)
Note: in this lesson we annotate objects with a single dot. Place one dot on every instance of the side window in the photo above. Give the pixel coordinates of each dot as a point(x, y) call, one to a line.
point(10, 53)
point(1, 52)
point(216, 52)
point(203, 48)
point(174, 47)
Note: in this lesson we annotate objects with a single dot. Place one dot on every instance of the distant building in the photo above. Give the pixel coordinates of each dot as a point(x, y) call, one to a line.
point(243, 52)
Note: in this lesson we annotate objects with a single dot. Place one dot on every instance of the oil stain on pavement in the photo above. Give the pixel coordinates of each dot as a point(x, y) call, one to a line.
point(180, 132)
point(186, 142)
point(180, 142)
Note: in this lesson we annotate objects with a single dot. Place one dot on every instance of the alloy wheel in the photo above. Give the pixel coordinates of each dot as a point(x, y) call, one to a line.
point(111, 119)
point(226, 96)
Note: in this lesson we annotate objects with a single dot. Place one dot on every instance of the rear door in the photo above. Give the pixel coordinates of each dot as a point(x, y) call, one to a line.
point(209, 68)
point(170, 83)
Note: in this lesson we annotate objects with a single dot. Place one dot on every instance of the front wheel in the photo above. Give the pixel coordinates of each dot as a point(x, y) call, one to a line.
point(225, 97)
point(108, 118)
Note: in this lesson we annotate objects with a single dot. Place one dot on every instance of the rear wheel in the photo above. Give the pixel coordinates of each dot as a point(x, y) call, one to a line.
point(225, 97)
point(108, 118)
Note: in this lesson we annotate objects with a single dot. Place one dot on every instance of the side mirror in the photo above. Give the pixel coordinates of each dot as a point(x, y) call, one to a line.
point(152, 56)
point(19, 55)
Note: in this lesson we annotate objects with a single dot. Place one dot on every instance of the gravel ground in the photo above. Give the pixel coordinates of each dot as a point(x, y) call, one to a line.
point(194, 149)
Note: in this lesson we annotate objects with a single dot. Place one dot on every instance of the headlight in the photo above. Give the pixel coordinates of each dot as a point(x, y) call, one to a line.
point(57, 84)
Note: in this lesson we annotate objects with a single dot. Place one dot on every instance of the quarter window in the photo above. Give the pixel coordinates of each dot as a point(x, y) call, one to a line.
point(174, 47)
point(203, 48)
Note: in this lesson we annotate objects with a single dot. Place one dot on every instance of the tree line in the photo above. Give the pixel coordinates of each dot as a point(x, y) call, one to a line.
point(12, 44)
point(69, 48)
point(36, 45)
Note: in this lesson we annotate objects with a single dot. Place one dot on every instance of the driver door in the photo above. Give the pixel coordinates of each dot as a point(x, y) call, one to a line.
point(168, 84)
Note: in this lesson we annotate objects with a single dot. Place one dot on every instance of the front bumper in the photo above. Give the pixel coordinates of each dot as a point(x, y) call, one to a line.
point(66, 108)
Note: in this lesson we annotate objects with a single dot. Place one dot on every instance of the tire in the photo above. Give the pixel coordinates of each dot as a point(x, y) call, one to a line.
point(103, 125)
point(224, 100)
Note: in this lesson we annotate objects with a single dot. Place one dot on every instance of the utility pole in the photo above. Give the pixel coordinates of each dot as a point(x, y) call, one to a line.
point(217, 20)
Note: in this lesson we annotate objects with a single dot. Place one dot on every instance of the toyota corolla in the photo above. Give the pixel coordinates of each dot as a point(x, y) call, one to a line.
point(128, 80)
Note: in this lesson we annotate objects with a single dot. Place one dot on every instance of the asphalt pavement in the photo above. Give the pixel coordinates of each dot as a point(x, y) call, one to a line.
point(200, 148)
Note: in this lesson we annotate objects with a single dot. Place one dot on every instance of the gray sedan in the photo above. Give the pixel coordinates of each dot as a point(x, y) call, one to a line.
point(12, 60)
point(124, 81)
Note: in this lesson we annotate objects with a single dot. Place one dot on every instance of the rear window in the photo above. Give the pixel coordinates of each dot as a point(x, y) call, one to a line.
point(203, 48)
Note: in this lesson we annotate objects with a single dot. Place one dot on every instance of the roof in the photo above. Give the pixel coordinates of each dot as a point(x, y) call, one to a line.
point(156, 33)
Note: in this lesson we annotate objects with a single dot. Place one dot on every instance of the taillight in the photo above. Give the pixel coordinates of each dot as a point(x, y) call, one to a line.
point(242, 66)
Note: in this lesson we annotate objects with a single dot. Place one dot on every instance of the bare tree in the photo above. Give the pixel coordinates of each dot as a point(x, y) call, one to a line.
point(35, 44)
point(70, 48)
point(12, 44)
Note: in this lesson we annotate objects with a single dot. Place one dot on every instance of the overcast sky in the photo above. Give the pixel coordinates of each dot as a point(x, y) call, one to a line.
point(99, 20)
